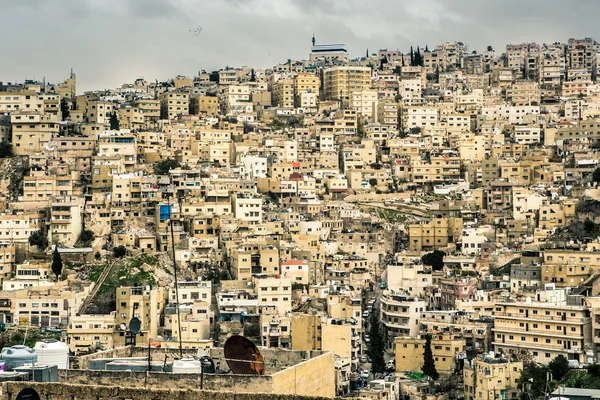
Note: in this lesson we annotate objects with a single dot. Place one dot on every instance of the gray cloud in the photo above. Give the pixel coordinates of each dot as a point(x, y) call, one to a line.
point(109, 42)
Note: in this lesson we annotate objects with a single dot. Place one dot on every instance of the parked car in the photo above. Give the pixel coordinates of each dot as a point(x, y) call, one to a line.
point(365, 373)
point(367, 339)
point(363, 359)
point(365, 314)
point(382, 285)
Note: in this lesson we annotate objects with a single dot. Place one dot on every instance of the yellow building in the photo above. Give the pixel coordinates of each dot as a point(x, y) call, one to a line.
point(446, 350)
point(491, 378)
point(435, 234)
point(283, 93)
point(339, 82)
point(173, 104)
point(305, 82)
point(205, 105)
point(145, 303)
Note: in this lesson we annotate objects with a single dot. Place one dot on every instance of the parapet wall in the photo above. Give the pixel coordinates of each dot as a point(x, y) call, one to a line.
point(64, 391)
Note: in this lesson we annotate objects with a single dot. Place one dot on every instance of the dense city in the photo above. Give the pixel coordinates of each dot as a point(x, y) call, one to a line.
point(415, 224)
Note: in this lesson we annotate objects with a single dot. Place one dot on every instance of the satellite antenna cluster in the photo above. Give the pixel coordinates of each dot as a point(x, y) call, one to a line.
point(243, 357)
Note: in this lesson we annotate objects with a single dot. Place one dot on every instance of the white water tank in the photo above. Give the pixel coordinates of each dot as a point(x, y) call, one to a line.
point(53, 352)
point(187, 366)
point(16, 356)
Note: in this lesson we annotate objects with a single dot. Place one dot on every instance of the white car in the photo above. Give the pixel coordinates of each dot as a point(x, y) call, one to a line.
point(365, 373)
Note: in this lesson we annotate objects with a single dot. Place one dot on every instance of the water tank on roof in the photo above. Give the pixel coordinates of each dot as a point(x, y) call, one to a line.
point(187, 366)
point(53, 352)
point(16, 356)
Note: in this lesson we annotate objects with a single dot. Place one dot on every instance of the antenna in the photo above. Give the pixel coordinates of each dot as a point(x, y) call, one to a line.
point(243, 357)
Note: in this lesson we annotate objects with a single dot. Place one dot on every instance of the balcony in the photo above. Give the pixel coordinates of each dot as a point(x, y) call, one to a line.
point(534, 317)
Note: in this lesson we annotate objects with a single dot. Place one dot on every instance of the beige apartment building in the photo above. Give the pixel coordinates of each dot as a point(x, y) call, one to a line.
point(491, 378)
point(274, 292)
point(399, 314)
point(340, 82)
point(33, 131)
point(174, 104)
point(65, 220)
point(90, 332)
point(547, 329)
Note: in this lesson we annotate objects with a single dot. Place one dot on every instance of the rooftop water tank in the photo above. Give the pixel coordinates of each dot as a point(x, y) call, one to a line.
point(53, 352)
point(187, 366)
point(16, 356)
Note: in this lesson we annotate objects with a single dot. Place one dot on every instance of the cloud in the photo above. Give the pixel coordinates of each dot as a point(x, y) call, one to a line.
point(109, 42)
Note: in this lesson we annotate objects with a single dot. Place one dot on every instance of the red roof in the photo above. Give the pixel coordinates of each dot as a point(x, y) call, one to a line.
point(292, 261)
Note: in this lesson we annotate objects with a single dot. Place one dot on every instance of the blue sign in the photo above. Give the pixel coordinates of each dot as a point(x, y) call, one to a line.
point(165, 212)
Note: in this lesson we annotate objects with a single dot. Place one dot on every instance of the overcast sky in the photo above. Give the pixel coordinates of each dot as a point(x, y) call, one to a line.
point(109, 42)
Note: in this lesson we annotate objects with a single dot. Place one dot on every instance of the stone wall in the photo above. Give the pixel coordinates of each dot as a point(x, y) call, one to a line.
point(314, 377)
point(157, 380)
point(64, 391)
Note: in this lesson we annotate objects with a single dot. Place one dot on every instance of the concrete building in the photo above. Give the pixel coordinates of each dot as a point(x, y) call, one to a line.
point(340, 82)
point(489, 378)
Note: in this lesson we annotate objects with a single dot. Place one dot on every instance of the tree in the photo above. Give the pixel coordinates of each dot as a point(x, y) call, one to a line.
point(214, 77)
point(86, 236)
point(6, 149)
point(39, 239)
point(163, 167)
point(373, 182)
point(428, 361)
point(252, 76)
point(119, 251)
point(534, 377)
point(559, 367)
point(435, 259)
point(490, 48)
point(64, 109)
point(595, 175)
point(114, 121)
point(415, 130)
point(412, 57)
point(57, 263)
point(376, 345)
point(397, 69)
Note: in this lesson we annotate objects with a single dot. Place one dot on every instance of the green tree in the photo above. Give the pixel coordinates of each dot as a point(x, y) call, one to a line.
point(559, 367)
point(163, 167)
point(114, 121)
point(39, 239)
point(119, 251)
point(6, 150)
point(373, 182)
point(252, 76)
point(596, 175)
point(435, 259)
point(415, 130)
point(376, 346)
point(533, 378)
point(57, 263)
point(86, 236)
point(428, 361)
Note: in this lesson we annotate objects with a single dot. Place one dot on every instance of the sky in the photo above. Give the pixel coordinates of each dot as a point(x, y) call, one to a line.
point(110, 42)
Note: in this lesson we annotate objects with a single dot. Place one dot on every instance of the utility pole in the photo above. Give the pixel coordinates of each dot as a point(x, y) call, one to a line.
point(175, 272)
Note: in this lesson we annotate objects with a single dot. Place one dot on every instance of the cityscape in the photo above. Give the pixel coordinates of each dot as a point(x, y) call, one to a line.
point(419, 223)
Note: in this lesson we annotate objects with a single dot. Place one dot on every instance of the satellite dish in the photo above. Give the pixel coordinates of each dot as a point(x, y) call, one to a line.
point(243, 357)
point(28, 394)
point(135, 325)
